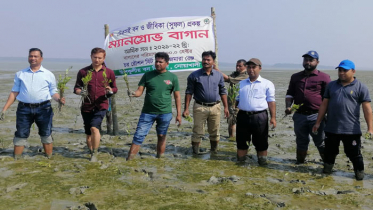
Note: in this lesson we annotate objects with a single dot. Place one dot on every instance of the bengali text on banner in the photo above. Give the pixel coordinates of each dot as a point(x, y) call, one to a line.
point(131, 49)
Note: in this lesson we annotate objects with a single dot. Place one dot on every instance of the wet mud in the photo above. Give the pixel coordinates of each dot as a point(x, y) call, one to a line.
point(180, 180)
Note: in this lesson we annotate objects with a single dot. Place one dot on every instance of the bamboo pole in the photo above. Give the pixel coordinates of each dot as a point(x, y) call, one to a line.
point(213, 15)
point(113, 115)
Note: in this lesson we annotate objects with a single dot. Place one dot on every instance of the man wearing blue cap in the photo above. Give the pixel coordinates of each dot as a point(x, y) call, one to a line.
point(306, 89)
point(342, 100)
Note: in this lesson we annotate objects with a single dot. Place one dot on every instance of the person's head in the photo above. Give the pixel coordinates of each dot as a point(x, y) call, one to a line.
point(346, 71)
point(254, 66)
point(310, 60)
point(35, 57)
point(208, 59)
point(161, 61)
point(241, 65)
point(98, 56)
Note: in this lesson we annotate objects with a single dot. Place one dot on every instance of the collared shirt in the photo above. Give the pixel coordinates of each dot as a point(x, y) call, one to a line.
point(254, 96)
point(96, 88)
point(206, 88)
point(34, 87)
point(344, 106)
point(308, 89)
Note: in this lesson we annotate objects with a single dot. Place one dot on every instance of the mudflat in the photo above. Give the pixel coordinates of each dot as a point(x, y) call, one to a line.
point(180, 180)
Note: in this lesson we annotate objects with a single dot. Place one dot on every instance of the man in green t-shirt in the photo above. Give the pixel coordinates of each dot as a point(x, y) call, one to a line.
point(157, 107)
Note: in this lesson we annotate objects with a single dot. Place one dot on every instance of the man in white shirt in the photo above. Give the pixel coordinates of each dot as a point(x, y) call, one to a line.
point(255, 96)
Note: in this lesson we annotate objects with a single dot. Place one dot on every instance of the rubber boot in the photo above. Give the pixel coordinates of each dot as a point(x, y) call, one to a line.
point(133, 151)
point(214, 146)
point(328, 168)
point(195, 147)
point(359, 175)
point(301, 156)
point(93, 155)
point(322, 156)
point(262, 160)
point(241, 159)
point(241, 155)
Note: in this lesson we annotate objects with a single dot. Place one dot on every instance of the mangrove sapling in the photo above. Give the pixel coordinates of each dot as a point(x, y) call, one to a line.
point(294, 108)
point(188, 118)
point(233, 92)
point(106, 82)
point(85, 81)
point(61, 86)
point(125, 77)
point(368, 136)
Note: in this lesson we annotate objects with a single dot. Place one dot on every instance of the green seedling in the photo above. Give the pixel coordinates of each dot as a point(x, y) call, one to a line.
point(294, 108)
point(125, 77)
point(106, 81)
point(85, 81)
point(368, 135)
point(188, 118)
point(61, 86)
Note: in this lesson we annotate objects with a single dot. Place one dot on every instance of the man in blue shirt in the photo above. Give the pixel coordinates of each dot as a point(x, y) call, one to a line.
point(207, 86)
point(34, 87)
point(342, 100)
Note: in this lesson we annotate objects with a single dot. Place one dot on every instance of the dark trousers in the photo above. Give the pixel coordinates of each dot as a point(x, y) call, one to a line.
point(252, 127)
point(351, 144)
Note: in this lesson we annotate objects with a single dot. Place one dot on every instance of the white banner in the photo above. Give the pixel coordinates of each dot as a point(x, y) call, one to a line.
point(131, 49)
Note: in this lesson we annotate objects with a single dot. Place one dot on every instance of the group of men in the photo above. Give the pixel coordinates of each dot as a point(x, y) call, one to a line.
point(311, 90)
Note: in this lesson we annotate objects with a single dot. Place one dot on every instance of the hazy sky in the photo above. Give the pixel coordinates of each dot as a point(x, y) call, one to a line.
point(275, 31)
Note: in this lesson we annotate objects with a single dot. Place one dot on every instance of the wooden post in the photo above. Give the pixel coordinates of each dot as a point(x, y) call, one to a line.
point(213, 15)
point(113, 113)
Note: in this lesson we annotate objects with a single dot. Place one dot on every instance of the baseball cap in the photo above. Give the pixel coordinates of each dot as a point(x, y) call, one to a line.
point(312, 53)
point(346, 64)
point(255, 61)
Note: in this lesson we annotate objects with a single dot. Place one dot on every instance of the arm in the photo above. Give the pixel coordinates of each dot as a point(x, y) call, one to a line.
point(113, 84)
point(225, 104)
point(178, 106)
point(272, 111)
point(322, 111)
point(289, 99)
point(138, 92)
point(223, 95)
point(368, 115)
point(78, 84)
point(288, 103)
point(226, 77)
point(57, 98)
point(188, 94)
point(188, 98)
point(12, 97)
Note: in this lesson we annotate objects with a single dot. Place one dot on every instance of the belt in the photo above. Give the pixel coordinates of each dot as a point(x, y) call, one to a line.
point(252, 113)
point(307, 112)
point(207, 104)
point(34, 105)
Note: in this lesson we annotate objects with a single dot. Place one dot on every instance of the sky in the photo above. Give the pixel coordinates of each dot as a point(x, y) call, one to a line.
point(275, 31)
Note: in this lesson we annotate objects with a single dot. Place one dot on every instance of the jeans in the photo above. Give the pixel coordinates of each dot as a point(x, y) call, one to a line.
point(26, 116)
point(145, 123)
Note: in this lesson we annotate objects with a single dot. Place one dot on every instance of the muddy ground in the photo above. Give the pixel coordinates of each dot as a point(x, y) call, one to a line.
point(180, 180)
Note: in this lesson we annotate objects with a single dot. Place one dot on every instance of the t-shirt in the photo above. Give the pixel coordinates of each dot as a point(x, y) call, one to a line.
point(344, 106)
point(159, 87)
